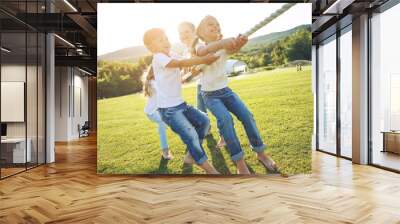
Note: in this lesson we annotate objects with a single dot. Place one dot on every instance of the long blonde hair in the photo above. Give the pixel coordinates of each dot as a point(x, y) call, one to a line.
point(148, 77)
point(199, 33)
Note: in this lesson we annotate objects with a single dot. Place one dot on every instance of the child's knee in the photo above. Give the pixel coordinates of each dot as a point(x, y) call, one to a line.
point(225, 121)
point(191, 137)
point(246, 116)
point(206, 122)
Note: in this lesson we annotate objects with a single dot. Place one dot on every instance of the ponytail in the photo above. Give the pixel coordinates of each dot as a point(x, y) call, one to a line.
point(147, 88)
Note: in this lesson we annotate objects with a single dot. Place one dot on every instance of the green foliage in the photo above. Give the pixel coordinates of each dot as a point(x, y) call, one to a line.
point(280, 100)
point(299, 46)
point(120, 78)
point(279, 54)
point(259, 42)
point(296, 46)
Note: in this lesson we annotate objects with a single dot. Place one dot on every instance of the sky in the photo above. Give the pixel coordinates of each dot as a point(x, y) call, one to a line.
point(121, 25)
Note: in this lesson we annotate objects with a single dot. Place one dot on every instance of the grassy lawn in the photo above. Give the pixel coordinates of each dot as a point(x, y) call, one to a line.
point(282, 104)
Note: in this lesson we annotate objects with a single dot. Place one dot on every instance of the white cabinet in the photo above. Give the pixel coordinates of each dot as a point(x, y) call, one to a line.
point(18, 149)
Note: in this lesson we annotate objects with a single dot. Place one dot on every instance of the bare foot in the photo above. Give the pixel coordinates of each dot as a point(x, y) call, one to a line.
point(221, 142)
point(267, 161)
point(188, 159)
point(167, 154)
point(242, 167)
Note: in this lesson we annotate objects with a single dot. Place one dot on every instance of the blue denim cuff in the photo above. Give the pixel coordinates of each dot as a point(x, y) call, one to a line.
point(201, 160)
point(237, 156)
point(259, 148)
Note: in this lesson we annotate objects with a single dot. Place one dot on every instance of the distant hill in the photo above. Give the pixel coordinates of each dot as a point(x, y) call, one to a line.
point(263, 40)
point(133, 54)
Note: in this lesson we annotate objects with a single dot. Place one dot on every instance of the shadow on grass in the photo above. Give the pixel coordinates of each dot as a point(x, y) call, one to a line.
point(187, 168)
point(250, 168)
point(162, 168)
point(218, 160)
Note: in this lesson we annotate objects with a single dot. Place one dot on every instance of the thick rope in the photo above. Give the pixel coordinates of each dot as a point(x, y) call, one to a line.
point(270, 18)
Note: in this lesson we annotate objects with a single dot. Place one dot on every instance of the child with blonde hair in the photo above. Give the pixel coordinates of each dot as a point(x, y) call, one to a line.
point(221, 100)
point(190, 124)
point(187, 35)
point(150, 109)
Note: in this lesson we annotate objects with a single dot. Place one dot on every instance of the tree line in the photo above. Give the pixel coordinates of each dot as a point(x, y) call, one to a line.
point(296, 46)
point(120, 78)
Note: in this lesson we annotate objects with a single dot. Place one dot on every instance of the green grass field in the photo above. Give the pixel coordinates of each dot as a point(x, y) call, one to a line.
point(282, 104)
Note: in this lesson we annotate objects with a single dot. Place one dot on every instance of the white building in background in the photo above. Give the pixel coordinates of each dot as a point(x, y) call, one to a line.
point(235, 66)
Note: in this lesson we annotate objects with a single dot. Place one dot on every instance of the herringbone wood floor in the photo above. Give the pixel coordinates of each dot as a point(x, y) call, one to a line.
point(70, 191)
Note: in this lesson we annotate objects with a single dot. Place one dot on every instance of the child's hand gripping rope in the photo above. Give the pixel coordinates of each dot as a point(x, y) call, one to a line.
point(207, 60)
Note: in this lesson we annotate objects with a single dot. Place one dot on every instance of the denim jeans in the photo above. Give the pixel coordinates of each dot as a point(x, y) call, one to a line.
point(200, 101)
point(162, 129)
point(191, 125)
point(220, 103)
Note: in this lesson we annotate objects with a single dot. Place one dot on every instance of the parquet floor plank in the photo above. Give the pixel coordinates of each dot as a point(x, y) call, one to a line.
point(70, 191)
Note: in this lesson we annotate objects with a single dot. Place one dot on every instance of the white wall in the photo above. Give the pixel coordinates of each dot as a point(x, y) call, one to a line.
point(62, 81)
point(12, 73)
point(71, 87)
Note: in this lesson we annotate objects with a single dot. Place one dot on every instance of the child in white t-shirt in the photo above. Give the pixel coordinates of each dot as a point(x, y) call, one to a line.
point(221, 100)
point(187, 35)
point(190, 124)
point(150, 109)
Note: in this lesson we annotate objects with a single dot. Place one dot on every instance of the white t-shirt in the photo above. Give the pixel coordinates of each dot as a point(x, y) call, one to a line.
point(182, 50)
point(167, 80)
point(151, 105)
point(214, 76)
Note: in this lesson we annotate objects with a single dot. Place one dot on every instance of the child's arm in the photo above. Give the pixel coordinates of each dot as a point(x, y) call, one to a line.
point(231, 45)
point(190, 75)
point(208, 59)
point(215, 46)
point(241, 40)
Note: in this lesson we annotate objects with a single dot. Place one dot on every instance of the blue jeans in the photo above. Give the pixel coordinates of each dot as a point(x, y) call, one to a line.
point(191, 125)
point(200, 101)
point(220, 103)
point(162, 129)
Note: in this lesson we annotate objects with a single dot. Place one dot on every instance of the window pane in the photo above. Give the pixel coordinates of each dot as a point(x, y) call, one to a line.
point(386, 88)
point(346, 93)
point(327, 96)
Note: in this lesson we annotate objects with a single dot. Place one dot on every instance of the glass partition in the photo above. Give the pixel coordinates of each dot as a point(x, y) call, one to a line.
point(22, 77)
point(32, 95)
point(41, 87)
point(14, 153)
